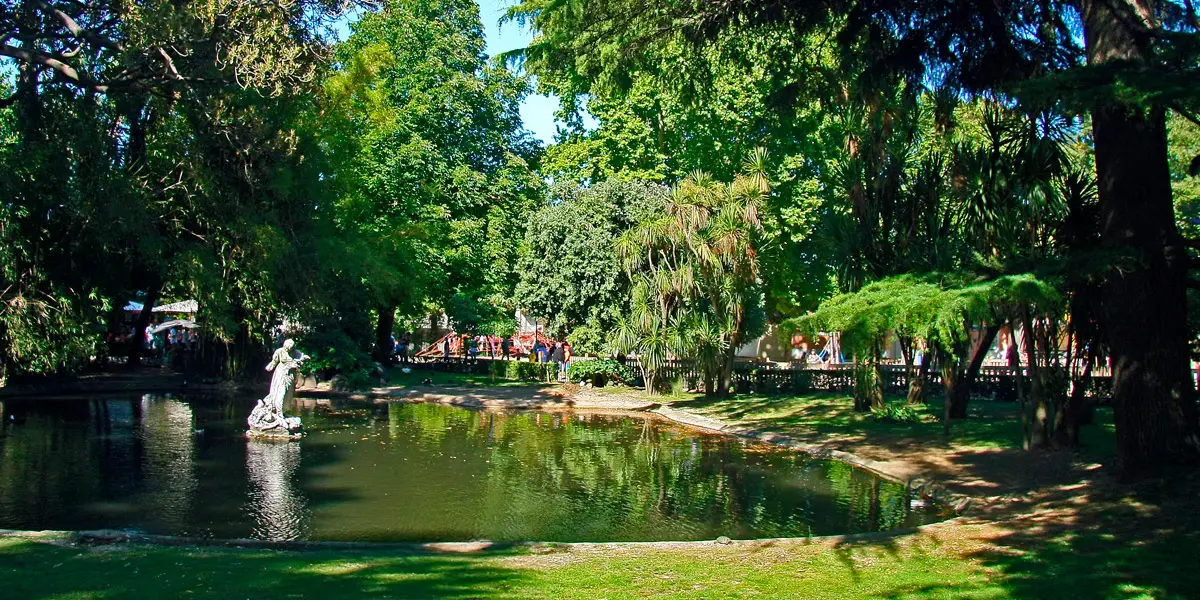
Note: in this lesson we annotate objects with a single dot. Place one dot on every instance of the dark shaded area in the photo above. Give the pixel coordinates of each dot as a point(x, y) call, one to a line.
point(1110, 542)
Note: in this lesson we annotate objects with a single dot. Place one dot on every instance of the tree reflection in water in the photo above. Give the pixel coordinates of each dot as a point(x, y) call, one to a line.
point(168, 446)
point(279, 510)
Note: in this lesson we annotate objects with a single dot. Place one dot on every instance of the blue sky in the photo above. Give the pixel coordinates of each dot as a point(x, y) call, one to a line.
point(538, 110)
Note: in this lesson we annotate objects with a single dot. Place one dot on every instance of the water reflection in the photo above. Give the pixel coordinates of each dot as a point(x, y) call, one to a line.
point(278, 509)
point(417, 472)
point(168, 451)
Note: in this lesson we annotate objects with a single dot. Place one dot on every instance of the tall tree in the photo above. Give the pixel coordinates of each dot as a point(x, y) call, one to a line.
point(1027, 48)
point(435, 169)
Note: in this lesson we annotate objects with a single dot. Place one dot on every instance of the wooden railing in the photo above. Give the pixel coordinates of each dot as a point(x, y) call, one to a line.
point(768, 378)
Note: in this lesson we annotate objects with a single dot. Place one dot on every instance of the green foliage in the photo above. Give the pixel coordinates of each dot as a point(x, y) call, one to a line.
point(435, 173)
point(694, 272)
point(570, 273)
point(523, 370)
point(896, 412)
point(600, 372)
point(931, 308)
point(333, 352)
point(588, 339)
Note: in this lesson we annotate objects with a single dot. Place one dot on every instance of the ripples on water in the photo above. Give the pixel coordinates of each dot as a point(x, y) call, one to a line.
point(416, 472)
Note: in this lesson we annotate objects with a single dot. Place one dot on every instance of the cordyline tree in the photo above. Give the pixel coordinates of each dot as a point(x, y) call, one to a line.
point(694, 277)
point(1136, 60)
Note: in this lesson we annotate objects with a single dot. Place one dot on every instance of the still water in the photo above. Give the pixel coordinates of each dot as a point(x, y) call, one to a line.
point(417, 472)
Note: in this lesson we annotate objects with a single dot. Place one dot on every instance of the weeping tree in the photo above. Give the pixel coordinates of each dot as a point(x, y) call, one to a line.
point(936, 311)
point(694, 276)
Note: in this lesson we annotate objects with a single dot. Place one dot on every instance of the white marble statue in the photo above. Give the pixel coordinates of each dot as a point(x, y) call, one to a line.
point(267, 416)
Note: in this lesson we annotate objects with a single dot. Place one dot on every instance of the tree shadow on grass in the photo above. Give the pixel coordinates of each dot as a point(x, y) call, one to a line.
point(1106, 542)
point(1097, 540)
point(37, 570)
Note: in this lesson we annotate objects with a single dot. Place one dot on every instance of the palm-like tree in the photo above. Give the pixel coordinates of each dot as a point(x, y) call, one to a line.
point(695, 275)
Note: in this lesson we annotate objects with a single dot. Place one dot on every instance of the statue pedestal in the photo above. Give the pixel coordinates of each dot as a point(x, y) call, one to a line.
point(265, 423)
point(289, 429)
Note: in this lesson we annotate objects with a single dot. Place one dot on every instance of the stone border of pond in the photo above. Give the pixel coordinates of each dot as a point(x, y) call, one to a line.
point(108, 537)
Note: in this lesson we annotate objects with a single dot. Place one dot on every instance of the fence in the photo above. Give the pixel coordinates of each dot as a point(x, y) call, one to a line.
point(767, 378)
point(994, 382)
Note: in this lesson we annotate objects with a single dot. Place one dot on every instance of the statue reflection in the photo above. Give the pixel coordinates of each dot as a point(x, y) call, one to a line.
point(278, 508)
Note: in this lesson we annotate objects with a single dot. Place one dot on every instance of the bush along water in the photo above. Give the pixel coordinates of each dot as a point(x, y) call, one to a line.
point(600, 372)
point(333, 353)
point(519, 370)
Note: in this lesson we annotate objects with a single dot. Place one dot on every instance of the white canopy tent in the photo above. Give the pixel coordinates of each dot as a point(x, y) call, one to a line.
point(185, 306)
point(174, 323)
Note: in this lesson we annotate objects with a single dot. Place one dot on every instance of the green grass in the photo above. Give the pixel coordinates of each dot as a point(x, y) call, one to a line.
point(990, 424)
point(1135, 543)
point(37, 570)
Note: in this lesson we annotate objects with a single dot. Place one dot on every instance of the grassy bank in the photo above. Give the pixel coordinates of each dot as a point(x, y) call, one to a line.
point(990, 424)
point(1119, 547)
point(914, 568)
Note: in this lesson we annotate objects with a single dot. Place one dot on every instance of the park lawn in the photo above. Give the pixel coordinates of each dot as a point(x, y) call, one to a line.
point(991, 424)
point(916, 567)
point(1117, 548)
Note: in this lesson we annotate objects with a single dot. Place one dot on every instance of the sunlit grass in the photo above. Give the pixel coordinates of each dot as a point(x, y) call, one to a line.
point(990, 425)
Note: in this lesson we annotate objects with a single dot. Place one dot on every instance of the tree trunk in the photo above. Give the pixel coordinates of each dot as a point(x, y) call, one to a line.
point(961, 395)
point(1144, 300)
point(866, 383)
point(917, 389)
point(725, 377)
point(949, 368)
point(383, 334)
point(1014, 362)
point(1066, 425)
point(1040, 433)
point(138, 341)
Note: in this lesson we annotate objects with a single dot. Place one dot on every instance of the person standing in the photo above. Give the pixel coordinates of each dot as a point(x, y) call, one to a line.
point(505, 347)
point(446, 347)
point(560, 359)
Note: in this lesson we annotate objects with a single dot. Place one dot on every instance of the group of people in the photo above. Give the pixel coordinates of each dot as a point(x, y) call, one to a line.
point(559, 353)
point(162, 343)
point(402, 348)
point(502, 348)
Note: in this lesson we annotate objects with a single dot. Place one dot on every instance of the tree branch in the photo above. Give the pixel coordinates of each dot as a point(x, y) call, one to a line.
point(78, 31)
point(62, 70)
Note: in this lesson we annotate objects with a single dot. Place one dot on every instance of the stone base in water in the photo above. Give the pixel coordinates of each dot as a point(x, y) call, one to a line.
point(289, 429)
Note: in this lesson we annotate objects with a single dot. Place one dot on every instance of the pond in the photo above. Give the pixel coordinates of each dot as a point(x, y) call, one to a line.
point(181, 465)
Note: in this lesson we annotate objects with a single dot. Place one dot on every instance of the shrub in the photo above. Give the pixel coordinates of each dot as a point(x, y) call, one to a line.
point(896, 413)
point(600, 372)
point(332, 352)
point(521, 370)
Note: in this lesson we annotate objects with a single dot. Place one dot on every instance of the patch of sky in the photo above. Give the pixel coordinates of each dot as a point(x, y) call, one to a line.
point(537, 110)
